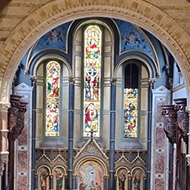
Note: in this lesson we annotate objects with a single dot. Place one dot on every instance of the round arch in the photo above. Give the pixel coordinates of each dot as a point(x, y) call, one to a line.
point(56, 12)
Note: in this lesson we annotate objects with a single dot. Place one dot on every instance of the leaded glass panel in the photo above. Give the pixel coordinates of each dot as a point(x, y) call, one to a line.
point(52, 98)
point(92, 78)
point(130, 112)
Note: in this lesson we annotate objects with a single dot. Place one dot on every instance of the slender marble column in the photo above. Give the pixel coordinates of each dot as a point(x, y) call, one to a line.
point(34, 182)
point(149, 141)
point(112, 135)
point(70, 135)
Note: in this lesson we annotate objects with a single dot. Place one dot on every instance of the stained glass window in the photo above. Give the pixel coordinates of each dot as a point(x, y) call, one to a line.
point(131, 101)
point(52, 98)
point(92, 79)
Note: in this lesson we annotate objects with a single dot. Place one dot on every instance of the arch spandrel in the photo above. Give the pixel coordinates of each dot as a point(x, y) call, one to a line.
point(56, 12)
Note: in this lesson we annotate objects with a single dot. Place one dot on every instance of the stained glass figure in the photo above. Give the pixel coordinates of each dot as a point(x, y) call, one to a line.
point(52, 98)
point(130, 112)
point(92, 78)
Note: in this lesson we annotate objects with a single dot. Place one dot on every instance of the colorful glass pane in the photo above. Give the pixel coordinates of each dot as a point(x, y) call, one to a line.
point(52, 98)
point(92, 78)
point(130, 112)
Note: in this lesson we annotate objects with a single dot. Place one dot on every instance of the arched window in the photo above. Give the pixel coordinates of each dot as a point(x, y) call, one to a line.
point(51, 103)
point(92, 80)
point(131, 83)
point(52, 98)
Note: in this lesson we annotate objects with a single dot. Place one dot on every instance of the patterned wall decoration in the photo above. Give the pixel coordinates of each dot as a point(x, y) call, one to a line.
point(55, 38)
point(160, 144)
point(132, 39)
point(22, 161)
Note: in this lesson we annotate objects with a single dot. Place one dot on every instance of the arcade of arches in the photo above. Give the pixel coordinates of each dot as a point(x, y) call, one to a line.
point(94, 95)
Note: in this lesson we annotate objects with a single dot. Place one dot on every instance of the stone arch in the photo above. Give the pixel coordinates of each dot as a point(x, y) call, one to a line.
point(56, 12)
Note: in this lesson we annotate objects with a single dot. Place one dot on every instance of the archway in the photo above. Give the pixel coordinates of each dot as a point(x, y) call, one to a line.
point(52, 14)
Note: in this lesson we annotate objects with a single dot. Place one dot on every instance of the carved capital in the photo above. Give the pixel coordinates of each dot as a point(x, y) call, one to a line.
point(170, 119)
point(71, 80)
point(3, 161)
point(182, 118)
point(33, 79)
point(113, 81)
point(151, 81)
point(4, 106)
point(16, 116)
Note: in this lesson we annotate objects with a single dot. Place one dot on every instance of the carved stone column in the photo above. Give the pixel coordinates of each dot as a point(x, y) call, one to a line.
point(182, 130)
point(3, 136)
point(170, 129)
point(15, 125)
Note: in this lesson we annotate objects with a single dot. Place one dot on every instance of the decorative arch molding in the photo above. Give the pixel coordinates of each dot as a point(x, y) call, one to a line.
point(139, 58)
point(56, 12)
point(48, 57)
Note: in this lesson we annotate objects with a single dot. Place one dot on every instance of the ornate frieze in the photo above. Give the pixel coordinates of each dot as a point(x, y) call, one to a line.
point(170, 118)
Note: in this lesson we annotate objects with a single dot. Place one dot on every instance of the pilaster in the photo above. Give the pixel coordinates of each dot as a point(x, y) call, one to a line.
point(3, 135)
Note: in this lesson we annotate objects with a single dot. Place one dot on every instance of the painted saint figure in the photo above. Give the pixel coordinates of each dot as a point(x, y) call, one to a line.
point(122, 179)
point(43, 179)
point(59, 179)
point(137, 181)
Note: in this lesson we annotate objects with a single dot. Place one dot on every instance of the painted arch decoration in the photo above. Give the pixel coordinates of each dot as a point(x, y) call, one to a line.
point(133, 39)
point(54, 38)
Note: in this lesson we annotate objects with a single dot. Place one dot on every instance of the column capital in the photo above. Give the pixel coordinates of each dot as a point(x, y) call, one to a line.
point(113, 81)
point(71, 80)
point(33, 78)
point(151, 81)
point(4, 106)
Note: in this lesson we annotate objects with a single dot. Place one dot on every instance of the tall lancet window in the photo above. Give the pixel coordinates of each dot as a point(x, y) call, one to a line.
point(92, 80)
point(52, 98)
point(131, 101)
